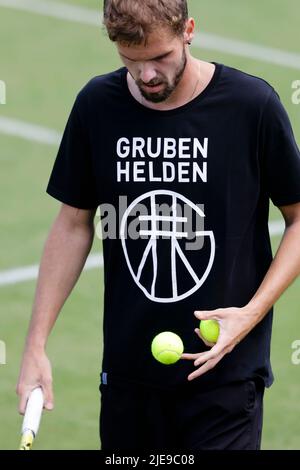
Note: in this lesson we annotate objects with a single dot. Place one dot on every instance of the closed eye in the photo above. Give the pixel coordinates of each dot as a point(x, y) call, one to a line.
point(155, 59)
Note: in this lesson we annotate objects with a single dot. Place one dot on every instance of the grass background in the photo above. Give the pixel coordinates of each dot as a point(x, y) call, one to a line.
point(44, 62)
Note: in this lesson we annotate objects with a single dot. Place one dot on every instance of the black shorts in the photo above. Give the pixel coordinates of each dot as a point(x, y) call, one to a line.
point(143, 419)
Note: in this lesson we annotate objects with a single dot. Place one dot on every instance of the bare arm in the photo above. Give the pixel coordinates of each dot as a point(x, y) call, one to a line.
point(65, 252)
point(282, 272)
point(285, 267)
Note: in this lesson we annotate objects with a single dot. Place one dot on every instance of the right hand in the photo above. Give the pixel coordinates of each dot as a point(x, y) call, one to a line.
point(35, 372)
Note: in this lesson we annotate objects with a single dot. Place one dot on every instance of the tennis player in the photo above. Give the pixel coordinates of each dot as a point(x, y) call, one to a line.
point(207, 142)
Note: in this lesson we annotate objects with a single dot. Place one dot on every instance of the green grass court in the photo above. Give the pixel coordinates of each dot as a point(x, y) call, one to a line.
point(44, 62)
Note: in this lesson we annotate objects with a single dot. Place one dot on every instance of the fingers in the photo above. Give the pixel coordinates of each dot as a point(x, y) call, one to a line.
point(217, 350)
point(48, 396)
point(208, 314)
point(25, 393)
point(23, 402)
point(195, 356)
point(230, 335)
point(205, 368)
point(190, 356)
point(208, 360)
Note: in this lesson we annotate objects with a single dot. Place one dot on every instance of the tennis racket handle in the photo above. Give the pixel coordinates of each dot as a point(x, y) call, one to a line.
point(27, 440)
point(33, 411)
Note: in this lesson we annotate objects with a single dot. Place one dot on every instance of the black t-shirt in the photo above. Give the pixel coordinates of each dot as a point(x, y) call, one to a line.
point(207, 168)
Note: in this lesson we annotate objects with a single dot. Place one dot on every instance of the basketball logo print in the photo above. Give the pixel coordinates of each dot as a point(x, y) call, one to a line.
point(158, 259)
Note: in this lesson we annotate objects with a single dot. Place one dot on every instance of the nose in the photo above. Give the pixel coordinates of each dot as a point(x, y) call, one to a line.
point(147, 73)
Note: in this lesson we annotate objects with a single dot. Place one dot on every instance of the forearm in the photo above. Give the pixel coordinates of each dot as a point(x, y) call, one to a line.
point(63, 259)
point(282, 272)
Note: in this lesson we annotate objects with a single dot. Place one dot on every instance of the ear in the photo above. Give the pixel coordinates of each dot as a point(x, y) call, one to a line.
point(189, 31)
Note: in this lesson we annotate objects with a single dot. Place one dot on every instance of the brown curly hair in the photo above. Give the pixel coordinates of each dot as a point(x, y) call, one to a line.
point(131, 21)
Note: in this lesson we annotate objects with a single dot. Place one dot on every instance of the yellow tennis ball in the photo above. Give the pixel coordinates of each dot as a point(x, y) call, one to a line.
point(167, 347)
point(210, 330)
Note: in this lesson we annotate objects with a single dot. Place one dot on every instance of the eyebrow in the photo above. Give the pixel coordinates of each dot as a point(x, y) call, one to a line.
point(162, 56)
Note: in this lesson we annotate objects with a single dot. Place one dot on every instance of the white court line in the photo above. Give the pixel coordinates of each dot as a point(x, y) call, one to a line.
point(203, 40)
point(61, 11)
point(246, 49)
point(276, 227)
point(30, 273)
point(28, 131)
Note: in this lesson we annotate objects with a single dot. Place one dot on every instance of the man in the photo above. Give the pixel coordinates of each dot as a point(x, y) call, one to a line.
point(204, 138)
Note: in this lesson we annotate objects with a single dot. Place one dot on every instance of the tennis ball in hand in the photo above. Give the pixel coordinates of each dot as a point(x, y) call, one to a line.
point(167, 347)
point(210, 330)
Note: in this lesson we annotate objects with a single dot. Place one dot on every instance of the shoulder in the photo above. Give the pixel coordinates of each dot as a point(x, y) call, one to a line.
point(102, 88)
point(244, 88)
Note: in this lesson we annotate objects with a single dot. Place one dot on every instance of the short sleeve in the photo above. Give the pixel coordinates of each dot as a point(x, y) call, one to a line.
point(280, 154)
point(72, 180)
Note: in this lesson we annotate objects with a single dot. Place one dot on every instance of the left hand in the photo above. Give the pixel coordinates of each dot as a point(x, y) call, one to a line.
point(235, 324)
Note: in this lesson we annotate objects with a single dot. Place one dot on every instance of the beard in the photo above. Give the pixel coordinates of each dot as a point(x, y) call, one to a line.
point(168, 89)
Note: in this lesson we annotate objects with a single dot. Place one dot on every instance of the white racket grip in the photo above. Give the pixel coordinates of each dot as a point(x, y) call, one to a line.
point(33, 411)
